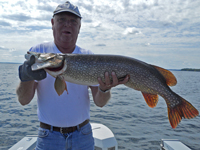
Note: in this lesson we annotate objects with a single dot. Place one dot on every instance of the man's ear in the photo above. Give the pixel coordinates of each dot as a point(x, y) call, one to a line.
point(52, 22)
point(79, 29)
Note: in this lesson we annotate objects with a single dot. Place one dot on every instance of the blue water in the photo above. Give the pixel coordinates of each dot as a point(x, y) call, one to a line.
point(135, 125)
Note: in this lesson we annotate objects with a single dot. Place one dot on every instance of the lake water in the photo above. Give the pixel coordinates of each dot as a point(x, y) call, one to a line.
point(135, 125)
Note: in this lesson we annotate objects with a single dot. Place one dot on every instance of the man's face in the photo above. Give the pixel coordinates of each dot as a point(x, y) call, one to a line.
point(66, 27)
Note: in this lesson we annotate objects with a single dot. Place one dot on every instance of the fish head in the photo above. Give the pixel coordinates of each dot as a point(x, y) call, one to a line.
point(54, 64)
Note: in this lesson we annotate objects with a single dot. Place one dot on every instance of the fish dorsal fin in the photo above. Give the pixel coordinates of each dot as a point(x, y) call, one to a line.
point(169, 77)
point(151, 99)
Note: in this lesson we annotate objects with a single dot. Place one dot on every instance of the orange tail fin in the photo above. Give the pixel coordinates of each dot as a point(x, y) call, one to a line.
point(183, 110)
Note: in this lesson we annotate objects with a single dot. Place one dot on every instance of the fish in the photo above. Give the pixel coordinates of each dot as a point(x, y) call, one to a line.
point(85, 69)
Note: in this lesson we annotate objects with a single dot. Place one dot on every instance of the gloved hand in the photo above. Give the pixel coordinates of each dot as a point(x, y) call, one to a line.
point(26, 74)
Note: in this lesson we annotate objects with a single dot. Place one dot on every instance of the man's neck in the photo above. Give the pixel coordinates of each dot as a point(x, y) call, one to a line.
point(65, 49)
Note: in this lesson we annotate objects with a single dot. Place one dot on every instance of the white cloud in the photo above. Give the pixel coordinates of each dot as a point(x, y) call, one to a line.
point(96, 24)
point(132, 30)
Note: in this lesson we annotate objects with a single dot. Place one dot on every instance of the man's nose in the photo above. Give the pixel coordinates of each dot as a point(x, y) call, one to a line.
point(68, 23)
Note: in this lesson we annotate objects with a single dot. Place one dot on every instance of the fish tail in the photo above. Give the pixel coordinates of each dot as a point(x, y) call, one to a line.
point(183, 110)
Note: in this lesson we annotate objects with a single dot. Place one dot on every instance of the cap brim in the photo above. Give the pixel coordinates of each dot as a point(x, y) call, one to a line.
point(57, 12)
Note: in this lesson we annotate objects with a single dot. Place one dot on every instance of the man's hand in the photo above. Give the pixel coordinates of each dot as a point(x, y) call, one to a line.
point(101, 94)
point(26, 74)
point(108, 84)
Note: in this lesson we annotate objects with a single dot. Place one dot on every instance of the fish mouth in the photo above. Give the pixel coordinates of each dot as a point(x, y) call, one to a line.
point(57, 68)
point(52, 62)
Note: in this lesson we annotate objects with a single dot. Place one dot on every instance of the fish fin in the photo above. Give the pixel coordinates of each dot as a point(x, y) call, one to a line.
point(66, 87)
point(170, 78)
point(183, 110)
point(151, 99)
point(60, 85)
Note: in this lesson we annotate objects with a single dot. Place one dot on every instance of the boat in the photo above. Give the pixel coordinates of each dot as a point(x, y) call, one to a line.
point(172, 144)
point(104, 139)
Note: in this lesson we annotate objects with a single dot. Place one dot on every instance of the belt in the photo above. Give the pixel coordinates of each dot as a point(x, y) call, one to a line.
point(64, 130)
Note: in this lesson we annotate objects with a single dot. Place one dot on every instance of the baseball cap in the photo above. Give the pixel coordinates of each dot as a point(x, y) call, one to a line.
point(67, 7)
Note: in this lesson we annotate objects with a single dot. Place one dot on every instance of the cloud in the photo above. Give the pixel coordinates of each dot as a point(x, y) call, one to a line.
point(37, 27)
point(147, 44)
point(4, 23)
point(18, 17)
point(100, 45)
point(3, 48)
point(132, 30)
point(12, 50)
point(46, 7)
point(85, 7)
point(151, 30)
point(96, 24)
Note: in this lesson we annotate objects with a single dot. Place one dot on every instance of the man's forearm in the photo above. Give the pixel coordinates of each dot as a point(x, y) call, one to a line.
point(100, 98)
point(25, 92)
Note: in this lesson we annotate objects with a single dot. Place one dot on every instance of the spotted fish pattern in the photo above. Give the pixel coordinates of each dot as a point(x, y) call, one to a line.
point(149, 79)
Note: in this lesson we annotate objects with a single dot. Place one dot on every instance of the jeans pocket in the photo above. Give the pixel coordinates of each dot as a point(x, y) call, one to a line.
point(43, 132)
point(87, 129)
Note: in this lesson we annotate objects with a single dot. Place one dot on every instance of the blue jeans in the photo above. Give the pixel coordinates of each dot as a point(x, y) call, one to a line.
point(81, 139)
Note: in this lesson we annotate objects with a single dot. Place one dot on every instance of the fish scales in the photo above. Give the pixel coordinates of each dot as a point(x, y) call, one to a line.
point(87, 68)
point(149, 79)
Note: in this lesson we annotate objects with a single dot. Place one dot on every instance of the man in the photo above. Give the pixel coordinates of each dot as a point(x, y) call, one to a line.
point(64, 120)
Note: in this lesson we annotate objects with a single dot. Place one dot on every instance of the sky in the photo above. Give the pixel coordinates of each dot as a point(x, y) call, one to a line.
point(165, 33)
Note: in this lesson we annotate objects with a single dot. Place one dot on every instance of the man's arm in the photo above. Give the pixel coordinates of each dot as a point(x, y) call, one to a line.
point(100, 99)
point(100, 96)
point(26, 91)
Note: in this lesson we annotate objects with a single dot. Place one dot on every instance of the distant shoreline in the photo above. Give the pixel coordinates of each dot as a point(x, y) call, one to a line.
point(190, 69)
point(9, 63)
point(185, 69)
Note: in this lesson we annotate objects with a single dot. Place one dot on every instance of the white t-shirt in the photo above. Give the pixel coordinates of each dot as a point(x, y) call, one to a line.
point(68, 109)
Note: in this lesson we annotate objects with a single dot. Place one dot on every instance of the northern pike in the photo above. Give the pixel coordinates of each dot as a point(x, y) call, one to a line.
point(85, 69)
